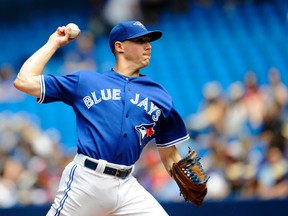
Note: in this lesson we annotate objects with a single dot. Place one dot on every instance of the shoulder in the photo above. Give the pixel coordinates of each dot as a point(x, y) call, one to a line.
point(156, 87)
point(151, 82)
point(87, 73)
point(155, 92)
point(86, 76)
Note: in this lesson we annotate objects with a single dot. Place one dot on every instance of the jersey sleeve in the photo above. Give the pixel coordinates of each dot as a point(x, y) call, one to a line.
point(58, 88)
point(172, 131)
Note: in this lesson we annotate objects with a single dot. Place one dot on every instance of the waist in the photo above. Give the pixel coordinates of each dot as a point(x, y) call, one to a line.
point(102, 166)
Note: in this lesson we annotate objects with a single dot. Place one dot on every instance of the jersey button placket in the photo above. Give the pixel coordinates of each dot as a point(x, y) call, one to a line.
point(127, 89)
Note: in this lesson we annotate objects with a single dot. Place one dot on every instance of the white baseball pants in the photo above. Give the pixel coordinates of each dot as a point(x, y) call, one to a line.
point(86, 192)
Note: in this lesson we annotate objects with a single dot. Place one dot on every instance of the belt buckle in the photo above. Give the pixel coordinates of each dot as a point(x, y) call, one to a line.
point(118, 171)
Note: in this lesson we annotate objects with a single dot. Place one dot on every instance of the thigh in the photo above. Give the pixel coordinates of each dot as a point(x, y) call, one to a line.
point(83, 192)
point(137, 201)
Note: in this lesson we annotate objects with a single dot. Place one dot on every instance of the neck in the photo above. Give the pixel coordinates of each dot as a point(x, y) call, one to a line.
point(127, 71)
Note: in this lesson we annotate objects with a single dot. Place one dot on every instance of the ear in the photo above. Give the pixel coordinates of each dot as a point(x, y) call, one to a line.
point(119, 47)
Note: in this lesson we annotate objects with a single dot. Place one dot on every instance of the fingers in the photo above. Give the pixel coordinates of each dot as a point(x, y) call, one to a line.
point(61, 30)
point(67, 32)
point(61, 37)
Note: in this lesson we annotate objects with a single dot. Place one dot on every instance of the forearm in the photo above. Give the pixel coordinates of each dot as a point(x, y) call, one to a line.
point(169, 156)
point(35, 65)
point(28, 77)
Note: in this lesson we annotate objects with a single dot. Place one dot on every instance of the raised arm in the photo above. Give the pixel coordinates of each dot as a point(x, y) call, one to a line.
point(28, 80)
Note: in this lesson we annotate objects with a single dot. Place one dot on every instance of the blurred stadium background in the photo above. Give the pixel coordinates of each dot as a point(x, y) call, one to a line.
point(225, 64)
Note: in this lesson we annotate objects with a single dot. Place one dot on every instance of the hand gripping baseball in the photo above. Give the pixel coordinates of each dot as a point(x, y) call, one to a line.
point(63, 35)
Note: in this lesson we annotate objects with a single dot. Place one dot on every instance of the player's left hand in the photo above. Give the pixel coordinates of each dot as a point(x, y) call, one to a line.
point(190, 178)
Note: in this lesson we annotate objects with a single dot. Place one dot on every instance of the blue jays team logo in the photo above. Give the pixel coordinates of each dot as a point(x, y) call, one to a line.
point(145, 130)
point(139, 24)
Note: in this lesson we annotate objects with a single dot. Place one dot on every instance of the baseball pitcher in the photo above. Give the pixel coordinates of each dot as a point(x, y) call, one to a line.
point(117, 113)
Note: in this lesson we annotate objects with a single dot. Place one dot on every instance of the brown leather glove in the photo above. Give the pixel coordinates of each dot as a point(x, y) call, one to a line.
point(190, 178)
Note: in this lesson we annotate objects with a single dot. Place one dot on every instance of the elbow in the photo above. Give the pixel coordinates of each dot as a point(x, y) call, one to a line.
point(29, 85)
point(18, 84)
point(22, 84)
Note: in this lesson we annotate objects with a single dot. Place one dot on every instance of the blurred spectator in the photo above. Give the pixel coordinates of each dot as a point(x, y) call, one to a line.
point(116, 11)
point(11, 171)
point(275, 100)
point(83, 58)
point(212, 110)
point(272, 127)
point(218, 186)
point(30, 161)
point(275, 91)
point(254, 101)
point(273, 175)
point(236, 117)
point(239, 174)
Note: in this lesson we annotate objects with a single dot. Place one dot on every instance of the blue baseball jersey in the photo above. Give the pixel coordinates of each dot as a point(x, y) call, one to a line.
point(116, 116)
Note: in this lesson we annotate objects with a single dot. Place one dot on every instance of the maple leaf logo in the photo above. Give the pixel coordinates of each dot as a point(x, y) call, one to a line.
point(145, 130)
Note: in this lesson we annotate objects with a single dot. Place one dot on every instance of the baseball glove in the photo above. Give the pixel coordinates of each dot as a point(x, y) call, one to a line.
point(190, 178)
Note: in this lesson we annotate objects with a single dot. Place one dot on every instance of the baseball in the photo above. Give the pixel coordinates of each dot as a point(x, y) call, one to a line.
point(75, 30)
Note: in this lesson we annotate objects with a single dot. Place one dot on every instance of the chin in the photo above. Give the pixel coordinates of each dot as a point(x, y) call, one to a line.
point(147, 60)
point(146, 63)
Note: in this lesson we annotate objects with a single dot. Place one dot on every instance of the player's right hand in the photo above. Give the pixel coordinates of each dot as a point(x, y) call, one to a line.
point(60, 37)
